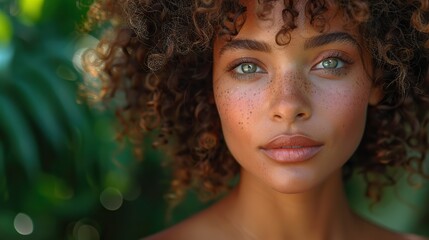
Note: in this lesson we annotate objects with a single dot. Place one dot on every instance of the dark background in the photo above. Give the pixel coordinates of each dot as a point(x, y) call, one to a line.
point(63, 175)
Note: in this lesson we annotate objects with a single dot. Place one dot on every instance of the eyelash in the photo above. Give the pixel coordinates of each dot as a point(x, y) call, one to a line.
point(335, 55)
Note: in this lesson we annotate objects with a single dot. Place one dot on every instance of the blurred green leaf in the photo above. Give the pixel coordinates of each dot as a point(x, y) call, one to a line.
point(14, 128)
point(41, 114)
point(30, 10)
point(5, 29)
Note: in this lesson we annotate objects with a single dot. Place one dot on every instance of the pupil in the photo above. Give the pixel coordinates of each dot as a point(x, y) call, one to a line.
point(248, 68)
point(330, 63)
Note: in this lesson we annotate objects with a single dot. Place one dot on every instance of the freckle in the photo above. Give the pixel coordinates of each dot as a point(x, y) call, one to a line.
point(307, 86)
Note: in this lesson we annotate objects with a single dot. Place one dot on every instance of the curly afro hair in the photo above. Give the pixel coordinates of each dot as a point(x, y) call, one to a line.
point(158, 55)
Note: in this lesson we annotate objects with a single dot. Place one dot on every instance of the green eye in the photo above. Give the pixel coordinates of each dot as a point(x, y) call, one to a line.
point(330, 63)
point(248, 68)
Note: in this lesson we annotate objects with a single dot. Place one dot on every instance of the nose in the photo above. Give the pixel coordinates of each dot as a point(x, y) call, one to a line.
point(290, 98)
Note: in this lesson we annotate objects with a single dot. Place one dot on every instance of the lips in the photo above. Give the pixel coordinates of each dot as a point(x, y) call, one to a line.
point(291, 148)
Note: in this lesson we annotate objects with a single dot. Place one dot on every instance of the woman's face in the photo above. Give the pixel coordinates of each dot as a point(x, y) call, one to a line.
point(291, 115)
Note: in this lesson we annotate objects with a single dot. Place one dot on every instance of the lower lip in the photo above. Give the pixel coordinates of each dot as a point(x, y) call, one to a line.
point(291, 155)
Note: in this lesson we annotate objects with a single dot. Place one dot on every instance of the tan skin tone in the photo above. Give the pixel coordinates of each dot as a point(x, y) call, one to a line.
point(317, 86)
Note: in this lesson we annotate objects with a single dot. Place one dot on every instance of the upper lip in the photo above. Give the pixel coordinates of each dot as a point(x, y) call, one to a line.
point(291, 141)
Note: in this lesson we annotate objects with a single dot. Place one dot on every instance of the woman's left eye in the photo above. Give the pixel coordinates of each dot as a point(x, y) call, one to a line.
point(247, 68)
point(330, 63)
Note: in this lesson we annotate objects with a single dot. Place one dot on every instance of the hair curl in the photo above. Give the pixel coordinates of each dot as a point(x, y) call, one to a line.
point(159, 56)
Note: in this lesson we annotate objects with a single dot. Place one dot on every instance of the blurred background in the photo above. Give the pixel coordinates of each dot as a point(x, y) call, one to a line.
point(62, 173)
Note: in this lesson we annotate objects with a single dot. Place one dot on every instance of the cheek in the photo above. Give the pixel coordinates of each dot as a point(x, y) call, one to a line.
point(355, 103)
point(236, 107)
point(346, 110)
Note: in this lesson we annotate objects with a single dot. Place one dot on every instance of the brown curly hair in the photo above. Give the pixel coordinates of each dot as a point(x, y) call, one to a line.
point(158, 56)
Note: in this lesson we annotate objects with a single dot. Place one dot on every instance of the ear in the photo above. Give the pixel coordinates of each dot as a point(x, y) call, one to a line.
point(376, 95)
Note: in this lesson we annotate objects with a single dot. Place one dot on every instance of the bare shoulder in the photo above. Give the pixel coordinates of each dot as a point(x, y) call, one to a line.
point(188, 229)
point(170, 233)
point(400, 236)
point(179, 231)
point(396, 236)
point(203, 225)
point(413, 237)
point(374, 231)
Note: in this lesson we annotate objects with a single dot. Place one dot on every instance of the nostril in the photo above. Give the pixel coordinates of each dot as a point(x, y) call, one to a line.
point(300, 115)
point(277, 116)
point(281, 117)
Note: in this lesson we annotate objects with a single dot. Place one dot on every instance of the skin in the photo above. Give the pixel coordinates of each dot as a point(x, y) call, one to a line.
point(291, 92)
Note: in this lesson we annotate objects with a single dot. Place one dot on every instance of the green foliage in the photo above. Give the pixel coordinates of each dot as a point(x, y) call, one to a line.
point(60, 167)
point(5, 30)
point(47, 168)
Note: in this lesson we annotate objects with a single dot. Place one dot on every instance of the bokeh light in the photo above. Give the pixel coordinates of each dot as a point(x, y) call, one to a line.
point(23, 224)
point(111, 199)
point(85, 231)
point(30, 10)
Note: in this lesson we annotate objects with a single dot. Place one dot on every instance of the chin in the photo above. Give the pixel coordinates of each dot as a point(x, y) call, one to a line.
point(290, 183)
point(296, 182)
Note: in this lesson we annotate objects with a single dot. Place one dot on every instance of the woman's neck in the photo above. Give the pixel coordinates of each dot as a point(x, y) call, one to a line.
point(258, 212)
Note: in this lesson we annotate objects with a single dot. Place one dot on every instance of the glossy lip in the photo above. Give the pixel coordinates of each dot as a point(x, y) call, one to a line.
point(291, 148)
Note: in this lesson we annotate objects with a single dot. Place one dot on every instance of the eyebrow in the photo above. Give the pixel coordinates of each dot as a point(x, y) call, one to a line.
point(324, 39)
point(313, 42)
point(246, 44)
